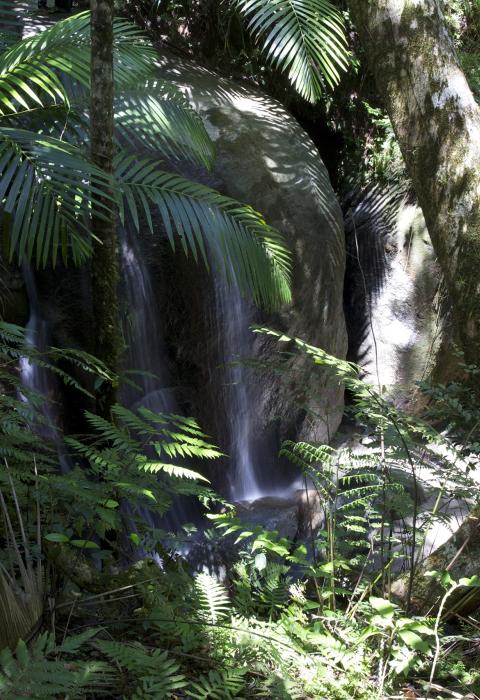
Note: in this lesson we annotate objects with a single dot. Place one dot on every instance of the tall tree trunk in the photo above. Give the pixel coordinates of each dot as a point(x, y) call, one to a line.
point(105, 275)
point(437, 123)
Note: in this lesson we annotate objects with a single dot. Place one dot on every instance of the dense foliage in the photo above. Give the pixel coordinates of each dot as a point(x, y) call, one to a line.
point(290, 619)
point(106, 588)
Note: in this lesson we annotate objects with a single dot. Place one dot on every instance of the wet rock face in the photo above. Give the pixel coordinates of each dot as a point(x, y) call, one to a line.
point(264, 158)
point(272, 513)
point(396, 314)
point(13, 297)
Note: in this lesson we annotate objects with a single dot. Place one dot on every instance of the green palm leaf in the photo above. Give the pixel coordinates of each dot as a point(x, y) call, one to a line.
point(160, 119)
point(64, 48)
point(26, 86)
point(303, 38)
point(253, 254)
point(47, 188)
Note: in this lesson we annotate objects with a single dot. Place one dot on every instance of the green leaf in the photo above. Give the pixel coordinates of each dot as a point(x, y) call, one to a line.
point(382, 606)
point(251, 254)
point(414, 625)
point(84, 544)
point(443, 577)
point(57, 537)
point(110, 503)
point(413, 640)
point(472, 582)
point(303, 38)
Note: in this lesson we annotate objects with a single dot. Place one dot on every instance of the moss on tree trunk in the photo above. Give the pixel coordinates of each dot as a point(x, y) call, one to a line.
point(437, 123)
point(105, 272)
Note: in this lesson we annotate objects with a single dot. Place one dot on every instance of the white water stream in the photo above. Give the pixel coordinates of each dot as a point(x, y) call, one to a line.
point(233, 318)
point(38, 378)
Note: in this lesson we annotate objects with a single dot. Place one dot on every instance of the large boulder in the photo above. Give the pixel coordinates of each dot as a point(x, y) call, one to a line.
point(264, 158)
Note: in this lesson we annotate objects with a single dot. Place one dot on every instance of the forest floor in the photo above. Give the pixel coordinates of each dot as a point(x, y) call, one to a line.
point(34, 20)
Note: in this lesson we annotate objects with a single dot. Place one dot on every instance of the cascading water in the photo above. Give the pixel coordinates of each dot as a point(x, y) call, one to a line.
point(146, 349)
point(233, 313)
point(147, 358)
point(39, 378)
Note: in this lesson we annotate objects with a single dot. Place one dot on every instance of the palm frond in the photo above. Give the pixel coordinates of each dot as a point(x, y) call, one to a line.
point(252, 253)
point(161, 120)
point(47, 188)
point(27, 86)
point(64, 48)
point(303, 38)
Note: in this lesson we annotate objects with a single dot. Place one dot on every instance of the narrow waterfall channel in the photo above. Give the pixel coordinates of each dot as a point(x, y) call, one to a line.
point(146, 354)
point(147, 358)
point(38, 378)
point(233, 318)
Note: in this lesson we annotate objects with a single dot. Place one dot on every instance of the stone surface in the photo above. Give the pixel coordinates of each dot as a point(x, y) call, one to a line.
point(13, 297)
point(401, 335)
point(266, 159)
point(273, 514)
point(459, 555)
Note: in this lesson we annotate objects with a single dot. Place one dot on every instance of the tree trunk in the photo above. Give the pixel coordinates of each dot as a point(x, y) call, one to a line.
point(105, 274)
point(437, 123)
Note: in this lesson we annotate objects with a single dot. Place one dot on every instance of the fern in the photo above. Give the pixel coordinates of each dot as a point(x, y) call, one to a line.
point(155, 672)
point(218, 685)
point(212, 599)
point(41, 671)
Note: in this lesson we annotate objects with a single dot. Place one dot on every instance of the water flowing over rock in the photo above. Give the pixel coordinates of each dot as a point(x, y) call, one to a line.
point(265, 158)
point(38, 378)
point(186, 326)
point(146, 353)
point(147, 358)
point(233, 316)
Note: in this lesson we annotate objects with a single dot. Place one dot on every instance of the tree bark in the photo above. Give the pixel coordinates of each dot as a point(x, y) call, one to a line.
point(105, 266)
point(437, 123)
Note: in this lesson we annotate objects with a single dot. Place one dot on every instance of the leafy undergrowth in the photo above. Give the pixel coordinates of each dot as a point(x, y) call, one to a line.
point(169, 634)
point(308, 617)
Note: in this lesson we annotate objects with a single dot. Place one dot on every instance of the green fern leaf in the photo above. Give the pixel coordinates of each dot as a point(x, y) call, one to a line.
point(212, 599)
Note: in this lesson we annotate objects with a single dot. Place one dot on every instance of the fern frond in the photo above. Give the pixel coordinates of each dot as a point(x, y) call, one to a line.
point(158, 674)
point(39, 671)
point(212, 599)
point(172, 470)
point(218, 685)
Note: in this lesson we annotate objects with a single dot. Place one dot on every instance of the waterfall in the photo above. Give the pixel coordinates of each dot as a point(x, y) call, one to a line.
point(233, 318)
point(40, 379)
point(146, 354)
point(147, 359)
